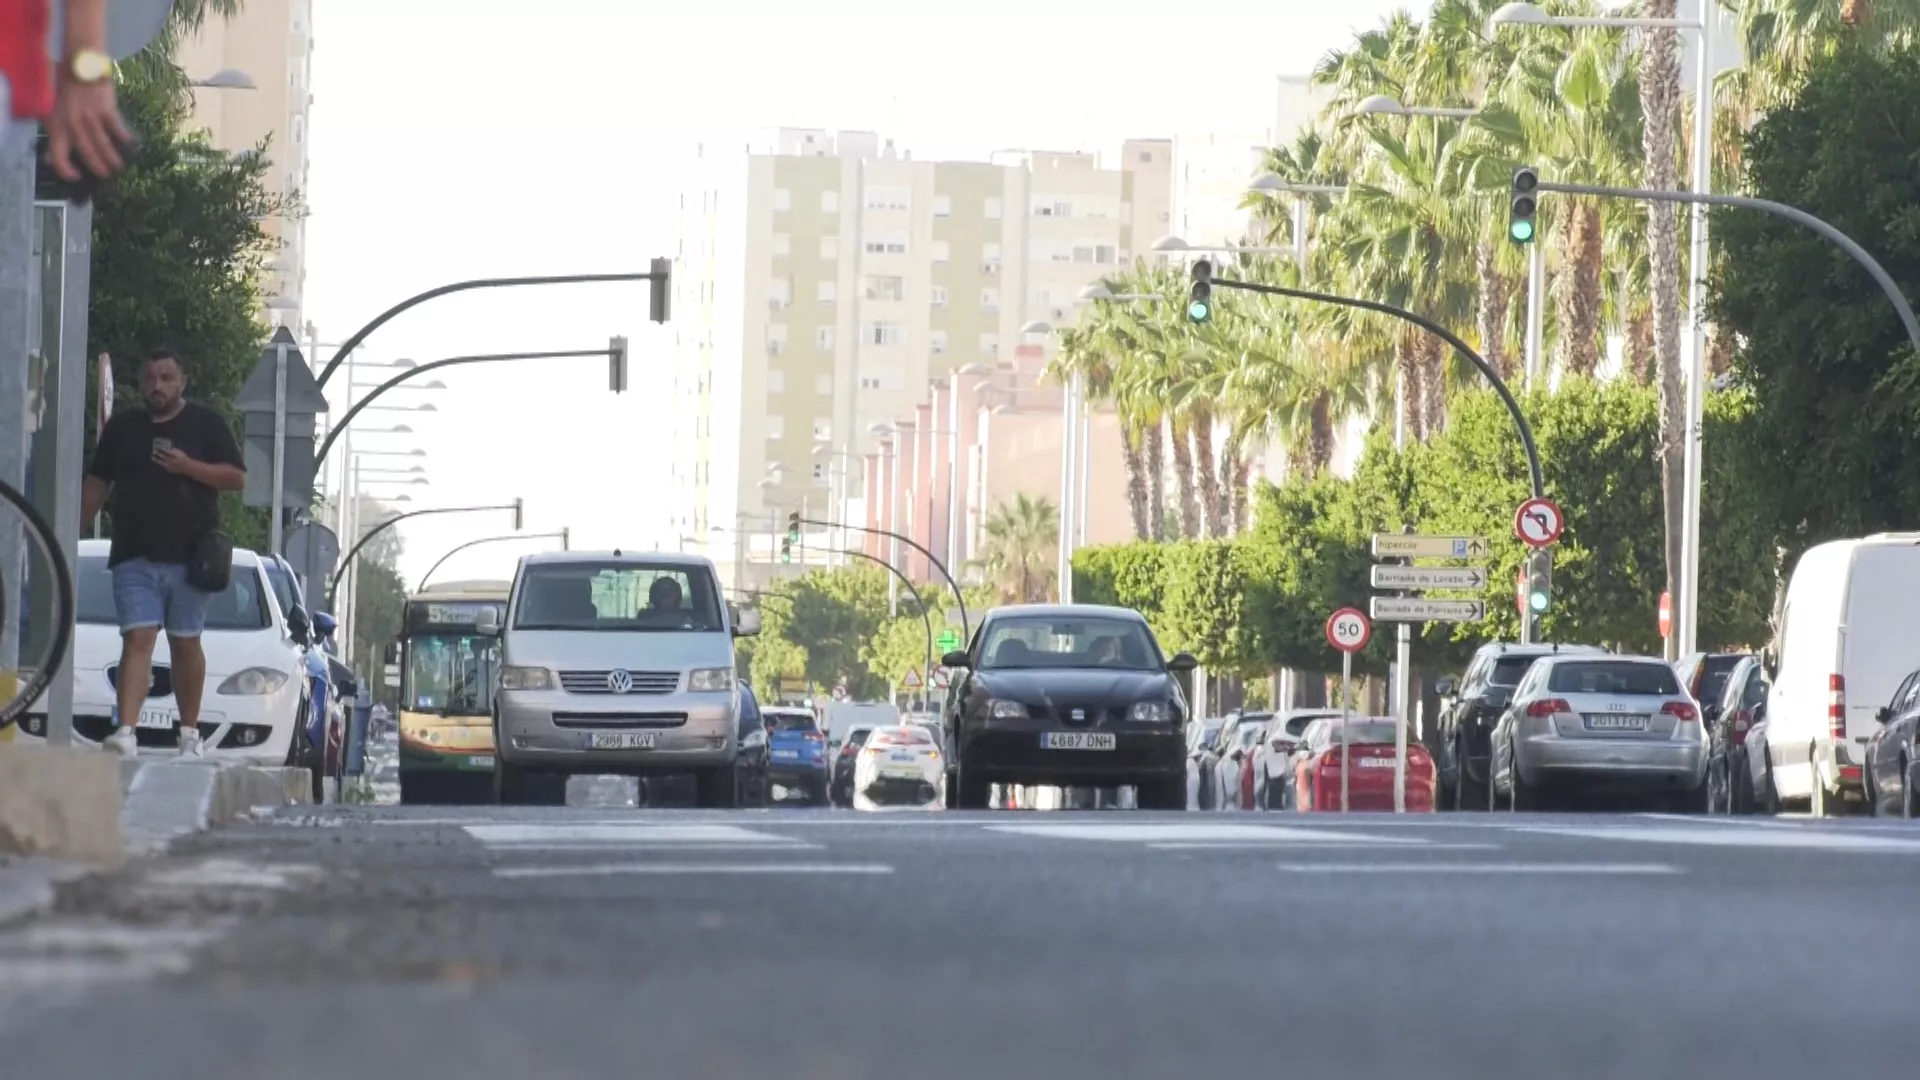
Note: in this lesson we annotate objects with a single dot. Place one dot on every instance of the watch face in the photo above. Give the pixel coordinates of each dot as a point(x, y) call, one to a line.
point(90, 66)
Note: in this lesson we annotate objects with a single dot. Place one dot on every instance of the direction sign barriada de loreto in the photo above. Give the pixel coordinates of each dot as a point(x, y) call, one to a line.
point(1405, 578)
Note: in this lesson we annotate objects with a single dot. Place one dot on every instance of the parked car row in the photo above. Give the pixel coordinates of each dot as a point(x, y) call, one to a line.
point(1296, 760)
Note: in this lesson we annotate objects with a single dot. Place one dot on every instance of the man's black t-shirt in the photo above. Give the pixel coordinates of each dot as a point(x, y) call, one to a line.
point(157, 515)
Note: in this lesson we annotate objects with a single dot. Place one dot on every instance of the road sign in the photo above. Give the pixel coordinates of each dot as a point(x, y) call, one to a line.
point(1407, 546)
point(1348, 630)
point(1538, 522)
point(1394, 609)
point(948, 640)
point(912, 681)
point(1666, 614)
point(313, 549)
point(1429, 577)
point(940, 678)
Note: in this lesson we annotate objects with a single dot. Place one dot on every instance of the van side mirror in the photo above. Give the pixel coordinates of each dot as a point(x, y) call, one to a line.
point(956, 659)
point(748, 624)
point(487, 622)
point(1182, 662)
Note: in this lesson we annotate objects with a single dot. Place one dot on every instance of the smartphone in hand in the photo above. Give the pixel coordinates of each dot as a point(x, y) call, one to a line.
point(161, 446)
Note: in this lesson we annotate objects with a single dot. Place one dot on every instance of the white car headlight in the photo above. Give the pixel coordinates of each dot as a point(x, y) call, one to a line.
point(253, 682)
point(709, 680)
point(1006, 710)
point(526, 678)
point(1150, 712)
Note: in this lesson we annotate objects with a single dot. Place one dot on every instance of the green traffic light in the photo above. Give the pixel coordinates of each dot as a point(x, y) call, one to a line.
point(1522, 232)
point(1199, 311)
point(1537, 601)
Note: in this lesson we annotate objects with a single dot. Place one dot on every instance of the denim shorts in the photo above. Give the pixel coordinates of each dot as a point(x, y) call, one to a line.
point(147, 595)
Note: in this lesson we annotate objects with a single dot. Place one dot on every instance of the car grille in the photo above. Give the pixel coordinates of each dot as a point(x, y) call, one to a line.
point(595, 682)
point(618, 720)
point(162, 680)
point(1063, 714)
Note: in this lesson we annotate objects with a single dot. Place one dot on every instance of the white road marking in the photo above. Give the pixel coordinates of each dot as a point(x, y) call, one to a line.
point(221, 874)
point(611, 869)
point(784, 845)
point(530, 835)
point(1803, 839)
point(1170, 833)
point(1336, 844)
point(1479, 868)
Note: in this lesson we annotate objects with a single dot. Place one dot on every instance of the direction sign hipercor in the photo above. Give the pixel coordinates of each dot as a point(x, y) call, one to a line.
point(1538, 522)
point(1404, 546)
point(1348, 630)
point(1395, 609)
point(1429, 577)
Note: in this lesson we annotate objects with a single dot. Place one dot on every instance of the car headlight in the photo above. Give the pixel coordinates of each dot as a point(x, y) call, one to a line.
point(253, 682)
point(711, 679)
point(1006, 710)
point(526, 678)
point(1150, 712)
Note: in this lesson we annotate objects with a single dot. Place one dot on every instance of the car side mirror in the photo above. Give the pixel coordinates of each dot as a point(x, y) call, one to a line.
point(1711, 712)
point(487, 622)
point(1182, 661)
point(390, 654)
point(956, 659)
point(1884, 714)
point(1446, 686)
point(298, 625)
point(748, 624)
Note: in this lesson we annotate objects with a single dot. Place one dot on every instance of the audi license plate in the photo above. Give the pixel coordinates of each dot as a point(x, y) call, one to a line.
point(1616, 722)
point(1077, 740)
point(480, 761)
point(621, 740)
point(163, 719)
point(1375, 763)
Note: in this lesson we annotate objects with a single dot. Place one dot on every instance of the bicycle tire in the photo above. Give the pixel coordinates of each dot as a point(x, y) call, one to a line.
point(64, 605)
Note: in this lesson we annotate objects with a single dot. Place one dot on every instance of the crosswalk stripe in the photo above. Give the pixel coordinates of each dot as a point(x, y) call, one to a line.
point(1804, 839)
point(1169, 833)
point(1428, 868)
point(532, 835)
point(683, 869)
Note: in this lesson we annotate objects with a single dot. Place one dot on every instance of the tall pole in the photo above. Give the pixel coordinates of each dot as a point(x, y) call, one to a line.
point(1402, 641)
point(893, 523)
point(1300, 232)
point(1069, 443)
point(1686, 633)
point(1536, 311)
point(1086, 472)
point(276, 525)
point(952, 554)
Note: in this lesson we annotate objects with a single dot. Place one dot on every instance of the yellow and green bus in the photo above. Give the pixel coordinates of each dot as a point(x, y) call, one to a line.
point(447, 675)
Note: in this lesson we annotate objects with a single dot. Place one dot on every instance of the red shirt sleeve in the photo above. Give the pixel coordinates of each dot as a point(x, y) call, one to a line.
point(24, 26)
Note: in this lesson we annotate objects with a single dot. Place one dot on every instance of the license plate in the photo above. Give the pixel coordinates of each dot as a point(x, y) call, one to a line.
point(900, 774)
point(1616, 722)
point(1077, 740)
point(481, 761)
point(157, 718)
point(621, 740)
point(1375, 763)
point(902, 757)
point(786, 755)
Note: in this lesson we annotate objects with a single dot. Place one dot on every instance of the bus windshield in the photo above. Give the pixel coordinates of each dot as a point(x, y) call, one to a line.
point(451, 674)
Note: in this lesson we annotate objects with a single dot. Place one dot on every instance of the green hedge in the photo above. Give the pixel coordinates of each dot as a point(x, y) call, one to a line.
point(1260, 601)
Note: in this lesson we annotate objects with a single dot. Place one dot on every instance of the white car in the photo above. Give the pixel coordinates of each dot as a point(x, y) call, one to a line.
point(1273, 758)
point(256, 690)
point(900, 766)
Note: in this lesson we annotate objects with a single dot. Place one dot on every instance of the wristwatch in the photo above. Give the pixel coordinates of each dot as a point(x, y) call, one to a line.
point(90, 66)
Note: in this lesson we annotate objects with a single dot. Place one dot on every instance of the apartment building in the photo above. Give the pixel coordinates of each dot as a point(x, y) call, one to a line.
point(270, 44)
point(825, 279)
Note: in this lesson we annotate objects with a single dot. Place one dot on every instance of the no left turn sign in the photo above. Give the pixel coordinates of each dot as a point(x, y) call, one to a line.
point(1348, 630)
point(1538, 523)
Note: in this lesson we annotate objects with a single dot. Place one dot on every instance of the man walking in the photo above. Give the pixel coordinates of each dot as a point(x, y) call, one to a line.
point(164, 467)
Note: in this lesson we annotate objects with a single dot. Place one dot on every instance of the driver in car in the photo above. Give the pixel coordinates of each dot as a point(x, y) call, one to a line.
point(1106, 651)
point(663, 604)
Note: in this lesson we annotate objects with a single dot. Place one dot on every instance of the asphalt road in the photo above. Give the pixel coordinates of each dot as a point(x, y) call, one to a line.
point(480, 943)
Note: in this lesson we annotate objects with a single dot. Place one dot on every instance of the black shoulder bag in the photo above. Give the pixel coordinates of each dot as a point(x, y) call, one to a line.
point(210, 563)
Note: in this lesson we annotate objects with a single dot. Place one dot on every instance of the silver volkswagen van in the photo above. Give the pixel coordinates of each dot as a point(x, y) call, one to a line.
point(616, 663)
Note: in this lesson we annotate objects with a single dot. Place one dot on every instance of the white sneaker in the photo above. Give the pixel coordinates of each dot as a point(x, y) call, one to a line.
point(190, 744)
point(121, 742)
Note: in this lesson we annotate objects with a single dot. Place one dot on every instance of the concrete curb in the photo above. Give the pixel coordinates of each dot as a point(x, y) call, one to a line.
point(167, 800)
point(28, 887)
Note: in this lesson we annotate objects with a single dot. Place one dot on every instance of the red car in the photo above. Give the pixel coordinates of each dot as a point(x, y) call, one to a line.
point(1369, 745)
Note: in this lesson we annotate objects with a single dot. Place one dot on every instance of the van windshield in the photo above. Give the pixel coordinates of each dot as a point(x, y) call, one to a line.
point(624, 596)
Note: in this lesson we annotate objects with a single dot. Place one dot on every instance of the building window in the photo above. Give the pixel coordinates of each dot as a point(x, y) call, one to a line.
point(889, 198)
point(776, 381)
point(782, 200)
point(942, 206)
point(1049, 206)
point(822, 431)
point(989, 344)
point(823, 337)
point(989, 300)
point(776, 427)
point(779, 294)
point(940, 251)
point(826, 292)
point(823, 384)
point(868, 382)
point(782, 244)
point(993, 209)
point(830, 248)
point(883, 333)
point(829, 202)
point(884, 287)
point(820, 474)
point(939, 296)
point(887, 244)
point(937, 342)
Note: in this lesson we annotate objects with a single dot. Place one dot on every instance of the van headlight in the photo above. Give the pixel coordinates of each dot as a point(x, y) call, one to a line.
point(253, 682)
point(526, 678)
point(710, 680)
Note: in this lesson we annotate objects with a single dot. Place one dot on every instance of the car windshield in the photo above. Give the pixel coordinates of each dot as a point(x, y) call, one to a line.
point(909, 735)
point(283, 590)
point(1614, 677)
point(1068, 642)
point(621, 596)
point(1508, 670)
point(452, 674)
point(1718, 667)
point(243, 606)
point(1297, 725)
point(1360, 731)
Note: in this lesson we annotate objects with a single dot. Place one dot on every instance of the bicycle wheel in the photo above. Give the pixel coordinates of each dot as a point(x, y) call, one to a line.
point(36, 672)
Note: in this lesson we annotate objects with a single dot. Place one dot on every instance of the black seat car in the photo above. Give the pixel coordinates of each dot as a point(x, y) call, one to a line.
point(1068, 696)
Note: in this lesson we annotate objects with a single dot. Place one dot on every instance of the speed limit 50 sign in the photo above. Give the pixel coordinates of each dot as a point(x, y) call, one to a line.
point(1348, 630)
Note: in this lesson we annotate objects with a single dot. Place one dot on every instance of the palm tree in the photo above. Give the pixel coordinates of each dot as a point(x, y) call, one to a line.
point(1086, 351)
point(1017, 558)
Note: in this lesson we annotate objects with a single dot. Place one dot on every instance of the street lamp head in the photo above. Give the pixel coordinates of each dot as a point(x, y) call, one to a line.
point(972, 369)
point(1520, 15)
point(1037, 327)
point(1096, 291)
point(1267, 181)
point(1382, 105)
point(436, 384)
point(280, 303)
point(1172, 243)
point(228, 79)
point(769, 484)
point(401, 365)
point(882, 430)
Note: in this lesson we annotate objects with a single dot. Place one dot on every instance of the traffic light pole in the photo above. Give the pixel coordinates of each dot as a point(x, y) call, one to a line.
point(966, 629)
point(334, 431)
point(661, 275)
point(566, 543)
point(516, 506)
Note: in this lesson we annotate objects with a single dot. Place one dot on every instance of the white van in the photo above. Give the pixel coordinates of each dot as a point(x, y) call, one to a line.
point(1845, 642)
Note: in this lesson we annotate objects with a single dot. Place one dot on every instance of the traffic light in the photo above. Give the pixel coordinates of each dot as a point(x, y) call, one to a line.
point(617, 364)
point(1521, 208)
point(793, 527)
point(660, 284)
point(1540, 581)
point(786, 551)
point(1200, 307)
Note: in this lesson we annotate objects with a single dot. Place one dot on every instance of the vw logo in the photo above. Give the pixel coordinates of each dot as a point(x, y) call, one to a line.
point(619, 681)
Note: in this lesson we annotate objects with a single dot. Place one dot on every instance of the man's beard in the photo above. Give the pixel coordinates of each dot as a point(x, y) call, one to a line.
point(159, 403)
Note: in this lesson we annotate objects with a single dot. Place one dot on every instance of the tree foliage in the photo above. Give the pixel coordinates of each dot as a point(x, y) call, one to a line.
point(1835, 384)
